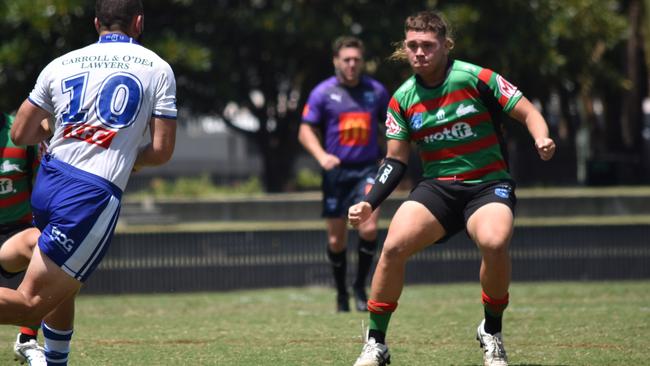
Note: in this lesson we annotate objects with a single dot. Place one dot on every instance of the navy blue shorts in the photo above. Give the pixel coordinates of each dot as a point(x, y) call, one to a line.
point(344, 186)
point(76, 213)
point(453, 202)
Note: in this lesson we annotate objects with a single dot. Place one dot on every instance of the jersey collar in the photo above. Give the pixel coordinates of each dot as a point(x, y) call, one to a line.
point(116, 38)
point(450, 63)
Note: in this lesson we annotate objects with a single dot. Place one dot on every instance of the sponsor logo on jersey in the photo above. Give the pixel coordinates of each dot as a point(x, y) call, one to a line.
point(464, 110)
point(507, 90)
point(458, 131)
point(354, 128)
point(336, 97)
point(8, 167)
point(440, 115)
point(503, 192)
point(392, 127)
point(91, 134)
point(6, 186)
point(416, 121)
point(60, 238)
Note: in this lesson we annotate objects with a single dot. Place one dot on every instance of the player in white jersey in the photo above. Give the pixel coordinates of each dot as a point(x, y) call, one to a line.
point(104, 98)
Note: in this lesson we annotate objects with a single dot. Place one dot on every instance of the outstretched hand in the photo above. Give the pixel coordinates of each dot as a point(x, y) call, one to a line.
point(545, 148)
point(359, 213)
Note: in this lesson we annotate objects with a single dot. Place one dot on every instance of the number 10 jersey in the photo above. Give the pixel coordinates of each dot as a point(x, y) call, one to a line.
point(103, 97)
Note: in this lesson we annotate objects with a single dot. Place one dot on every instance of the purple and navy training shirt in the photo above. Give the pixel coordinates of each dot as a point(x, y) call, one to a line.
point(348, 117)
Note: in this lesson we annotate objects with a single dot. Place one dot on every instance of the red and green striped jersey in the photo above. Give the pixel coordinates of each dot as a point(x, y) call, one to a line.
point(456, 124)
point(18, 165)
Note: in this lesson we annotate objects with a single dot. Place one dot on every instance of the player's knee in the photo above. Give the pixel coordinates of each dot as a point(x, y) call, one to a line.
point(494, 245)
point(336, 244)
point(493, 238)
point(393, 252)
point(368, 229)
point(370, 232)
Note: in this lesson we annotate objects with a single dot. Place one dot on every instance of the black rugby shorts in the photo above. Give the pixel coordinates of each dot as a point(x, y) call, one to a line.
point(453, 202)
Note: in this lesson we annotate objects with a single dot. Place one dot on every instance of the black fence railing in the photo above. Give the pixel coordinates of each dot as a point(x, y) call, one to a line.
point(215, 261)
point(182, 262)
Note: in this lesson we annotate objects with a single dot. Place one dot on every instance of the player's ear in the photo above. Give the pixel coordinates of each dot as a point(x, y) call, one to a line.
point(98, 26)
point(139, 24)
point(449, 44)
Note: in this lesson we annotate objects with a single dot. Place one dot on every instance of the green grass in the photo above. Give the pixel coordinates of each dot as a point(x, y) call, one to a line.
point(573, 323)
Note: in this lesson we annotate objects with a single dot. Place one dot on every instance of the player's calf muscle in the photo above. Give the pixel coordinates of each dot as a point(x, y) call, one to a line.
point(19, 309)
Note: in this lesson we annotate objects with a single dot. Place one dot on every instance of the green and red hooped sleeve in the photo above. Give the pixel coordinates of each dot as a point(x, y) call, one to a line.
point(505, 92)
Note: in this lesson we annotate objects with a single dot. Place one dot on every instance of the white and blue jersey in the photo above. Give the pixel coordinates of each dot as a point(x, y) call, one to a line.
point(103, 97)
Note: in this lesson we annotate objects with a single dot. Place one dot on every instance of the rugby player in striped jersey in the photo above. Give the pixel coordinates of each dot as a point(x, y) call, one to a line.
point(450, 109)
point(18, 236)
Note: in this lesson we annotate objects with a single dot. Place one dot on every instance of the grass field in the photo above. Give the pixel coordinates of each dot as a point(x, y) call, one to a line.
point(573, 323)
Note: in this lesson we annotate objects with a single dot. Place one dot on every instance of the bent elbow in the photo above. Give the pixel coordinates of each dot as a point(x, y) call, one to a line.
point(18, 138)
point(162, 156)
point(165, 158)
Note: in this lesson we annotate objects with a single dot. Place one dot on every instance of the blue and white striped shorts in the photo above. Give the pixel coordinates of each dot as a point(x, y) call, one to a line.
point(76, 212)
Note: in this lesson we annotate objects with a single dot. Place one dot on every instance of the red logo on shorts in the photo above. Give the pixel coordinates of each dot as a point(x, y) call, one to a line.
point(91, 134)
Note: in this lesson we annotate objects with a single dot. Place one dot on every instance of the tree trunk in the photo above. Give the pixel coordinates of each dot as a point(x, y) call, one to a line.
point(631, 121)
point(279, 150)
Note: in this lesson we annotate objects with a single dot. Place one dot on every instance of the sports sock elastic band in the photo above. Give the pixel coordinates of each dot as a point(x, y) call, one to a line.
point(381, 307)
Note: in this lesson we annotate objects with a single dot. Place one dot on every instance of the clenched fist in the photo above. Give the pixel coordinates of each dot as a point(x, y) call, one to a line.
point(545, 148)
point(359, 213)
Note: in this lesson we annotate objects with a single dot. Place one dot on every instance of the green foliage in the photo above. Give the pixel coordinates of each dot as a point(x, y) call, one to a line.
point(33, 33)
point(545, 324)
point(307, 179)
point(202, 186)
point(185, 53)
point(222, 50)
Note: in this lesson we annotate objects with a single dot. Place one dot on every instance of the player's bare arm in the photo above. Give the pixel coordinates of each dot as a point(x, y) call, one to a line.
point(161, 147)
point(309, 137)
point(29, 127)
point(526, 113)
point(389, 175)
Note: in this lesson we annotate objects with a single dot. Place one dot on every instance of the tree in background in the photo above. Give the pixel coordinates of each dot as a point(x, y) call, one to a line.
point(262, 56)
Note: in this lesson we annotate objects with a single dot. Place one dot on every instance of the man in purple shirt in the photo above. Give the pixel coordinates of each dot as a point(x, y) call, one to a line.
point(340, 130)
